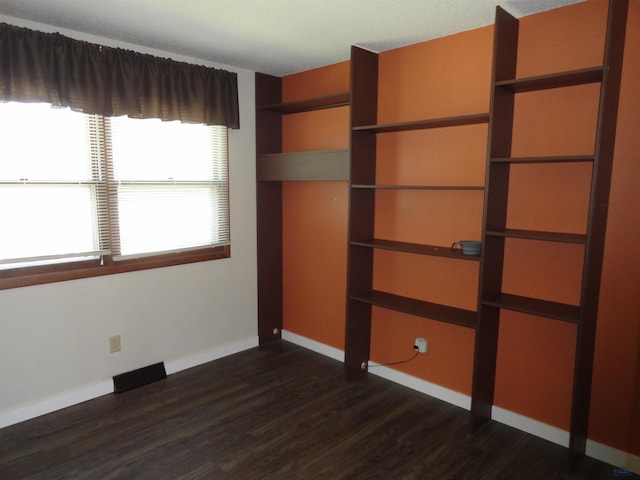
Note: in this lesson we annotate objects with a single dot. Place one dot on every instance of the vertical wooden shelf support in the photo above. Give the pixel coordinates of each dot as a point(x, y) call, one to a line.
point(269, 212)
point(364, 111)
point(505, 51)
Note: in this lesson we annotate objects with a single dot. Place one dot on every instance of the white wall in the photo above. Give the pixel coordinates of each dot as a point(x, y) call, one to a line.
point(54, 348)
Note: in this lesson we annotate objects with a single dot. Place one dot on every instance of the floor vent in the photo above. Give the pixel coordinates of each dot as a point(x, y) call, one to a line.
point(137, 378)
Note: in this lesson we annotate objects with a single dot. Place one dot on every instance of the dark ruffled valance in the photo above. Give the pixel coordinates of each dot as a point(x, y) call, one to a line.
point(53, 68)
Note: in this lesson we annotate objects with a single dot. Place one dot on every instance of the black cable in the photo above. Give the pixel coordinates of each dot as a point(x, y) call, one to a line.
point(395, 363)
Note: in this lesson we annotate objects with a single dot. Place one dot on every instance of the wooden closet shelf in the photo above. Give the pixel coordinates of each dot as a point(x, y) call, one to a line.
point(549, 159)
point(554, 80)
point(419, 187)
point(535, 306)
point(456, 121)
point(417, 248)
point(310, 104)
point(420, 308)
point(539, 235)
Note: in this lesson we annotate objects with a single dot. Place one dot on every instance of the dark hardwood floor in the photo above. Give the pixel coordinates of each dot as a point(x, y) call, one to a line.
point(280, 412)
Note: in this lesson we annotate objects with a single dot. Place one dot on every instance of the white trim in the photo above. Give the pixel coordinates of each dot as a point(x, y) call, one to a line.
point(314, 345)
point(433, 390)
point(103, 388)
point(604, 453)
point(451, 396)
point(613, 456)
point(534, 427)
point(58, 402)
point(177, 365)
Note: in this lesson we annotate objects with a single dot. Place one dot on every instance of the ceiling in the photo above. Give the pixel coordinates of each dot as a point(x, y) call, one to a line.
point(270, 36)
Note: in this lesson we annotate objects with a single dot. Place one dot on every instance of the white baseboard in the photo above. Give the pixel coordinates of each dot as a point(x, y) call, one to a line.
point(183, 363)
point(604, 453)
point(313, 345)
point(433, 390)
point(58, 402)
point(613, 456)
point(529, 425)
point(90, 392)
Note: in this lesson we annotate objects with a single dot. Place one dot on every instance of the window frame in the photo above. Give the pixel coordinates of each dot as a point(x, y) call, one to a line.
point(23, 276)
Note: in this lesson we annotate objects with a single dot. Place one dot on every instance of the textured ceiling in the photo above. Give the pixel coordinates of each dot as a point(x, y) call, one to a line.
point(271, 36)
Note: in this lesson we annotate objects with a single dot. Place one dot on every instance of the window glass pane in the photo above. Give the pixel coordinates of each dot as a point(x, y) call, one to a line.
point(151, 149)
point(46, 220)
point(160, 218)
point(40, 143)
point(171, 181)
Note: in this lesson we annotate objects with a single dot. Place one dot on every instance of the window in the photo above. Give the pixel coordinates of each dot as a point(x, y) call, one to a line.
point(118, 193)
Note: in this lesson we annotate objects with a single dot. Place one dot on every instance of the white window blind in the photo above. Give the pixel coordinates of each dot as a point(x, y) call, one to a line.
point(74, 186)
point(47, 186)
point(172, 186)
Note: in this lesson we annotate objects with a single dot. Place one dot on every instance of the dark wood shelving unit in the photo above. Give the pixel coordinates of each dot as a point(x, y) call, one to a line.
point(420, 308)
point(492, 299)
point(362, 211)
point(417, 248)
point(272, 168)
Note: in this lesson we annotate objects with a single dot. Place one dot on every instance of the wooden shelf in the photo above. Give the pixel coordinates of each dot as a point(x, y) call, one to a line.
point(304, 166)
point(550, 159)
point(420, 308)
point(420, 187)
point(426, 124)
point(308, 105)
point(415, 248)
point(534, 306)
point(555, 80)
point(539, 235)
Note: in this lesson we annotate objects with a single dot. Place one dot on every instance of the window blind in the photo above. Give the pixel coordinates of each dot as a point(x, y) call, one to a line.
point(171, 184)
point(47, 187)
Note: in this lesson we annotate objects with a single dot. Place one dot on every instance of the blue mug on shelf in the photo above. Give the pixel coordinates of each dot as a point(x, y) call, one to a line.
point(469, 247)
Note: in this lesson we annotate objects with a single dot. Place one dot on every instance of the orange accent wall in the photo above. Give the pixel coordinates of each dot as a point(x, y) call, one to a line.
point(317, 82)
point(315, 260)
point(315, 214)
point(615, 402)
point(451, 76)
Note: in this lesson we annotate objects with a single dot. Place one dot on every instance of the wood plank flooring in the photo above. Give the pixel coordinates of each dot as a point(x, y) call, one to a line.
point(280, 412)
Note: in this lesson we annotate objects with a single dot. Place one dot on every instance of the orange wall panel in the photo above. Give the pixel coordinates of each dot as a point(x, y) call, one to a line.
point(440, 78)
point(317, 82)
point(432, 217)
point(449, 358)
point(560, 121)
point(315, 214)
point(315, 260)
point(562, 39)
point(434, 279)
point(439, 157)
point(317, 130)
point(615, 401)
point(546, 270)
point(549, 197)
point(535, 367)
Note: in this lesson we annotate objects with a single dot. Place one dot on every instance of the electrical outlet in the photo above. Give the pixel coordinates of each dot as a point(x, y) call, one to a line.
point(114, 344)
point(420, 345)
